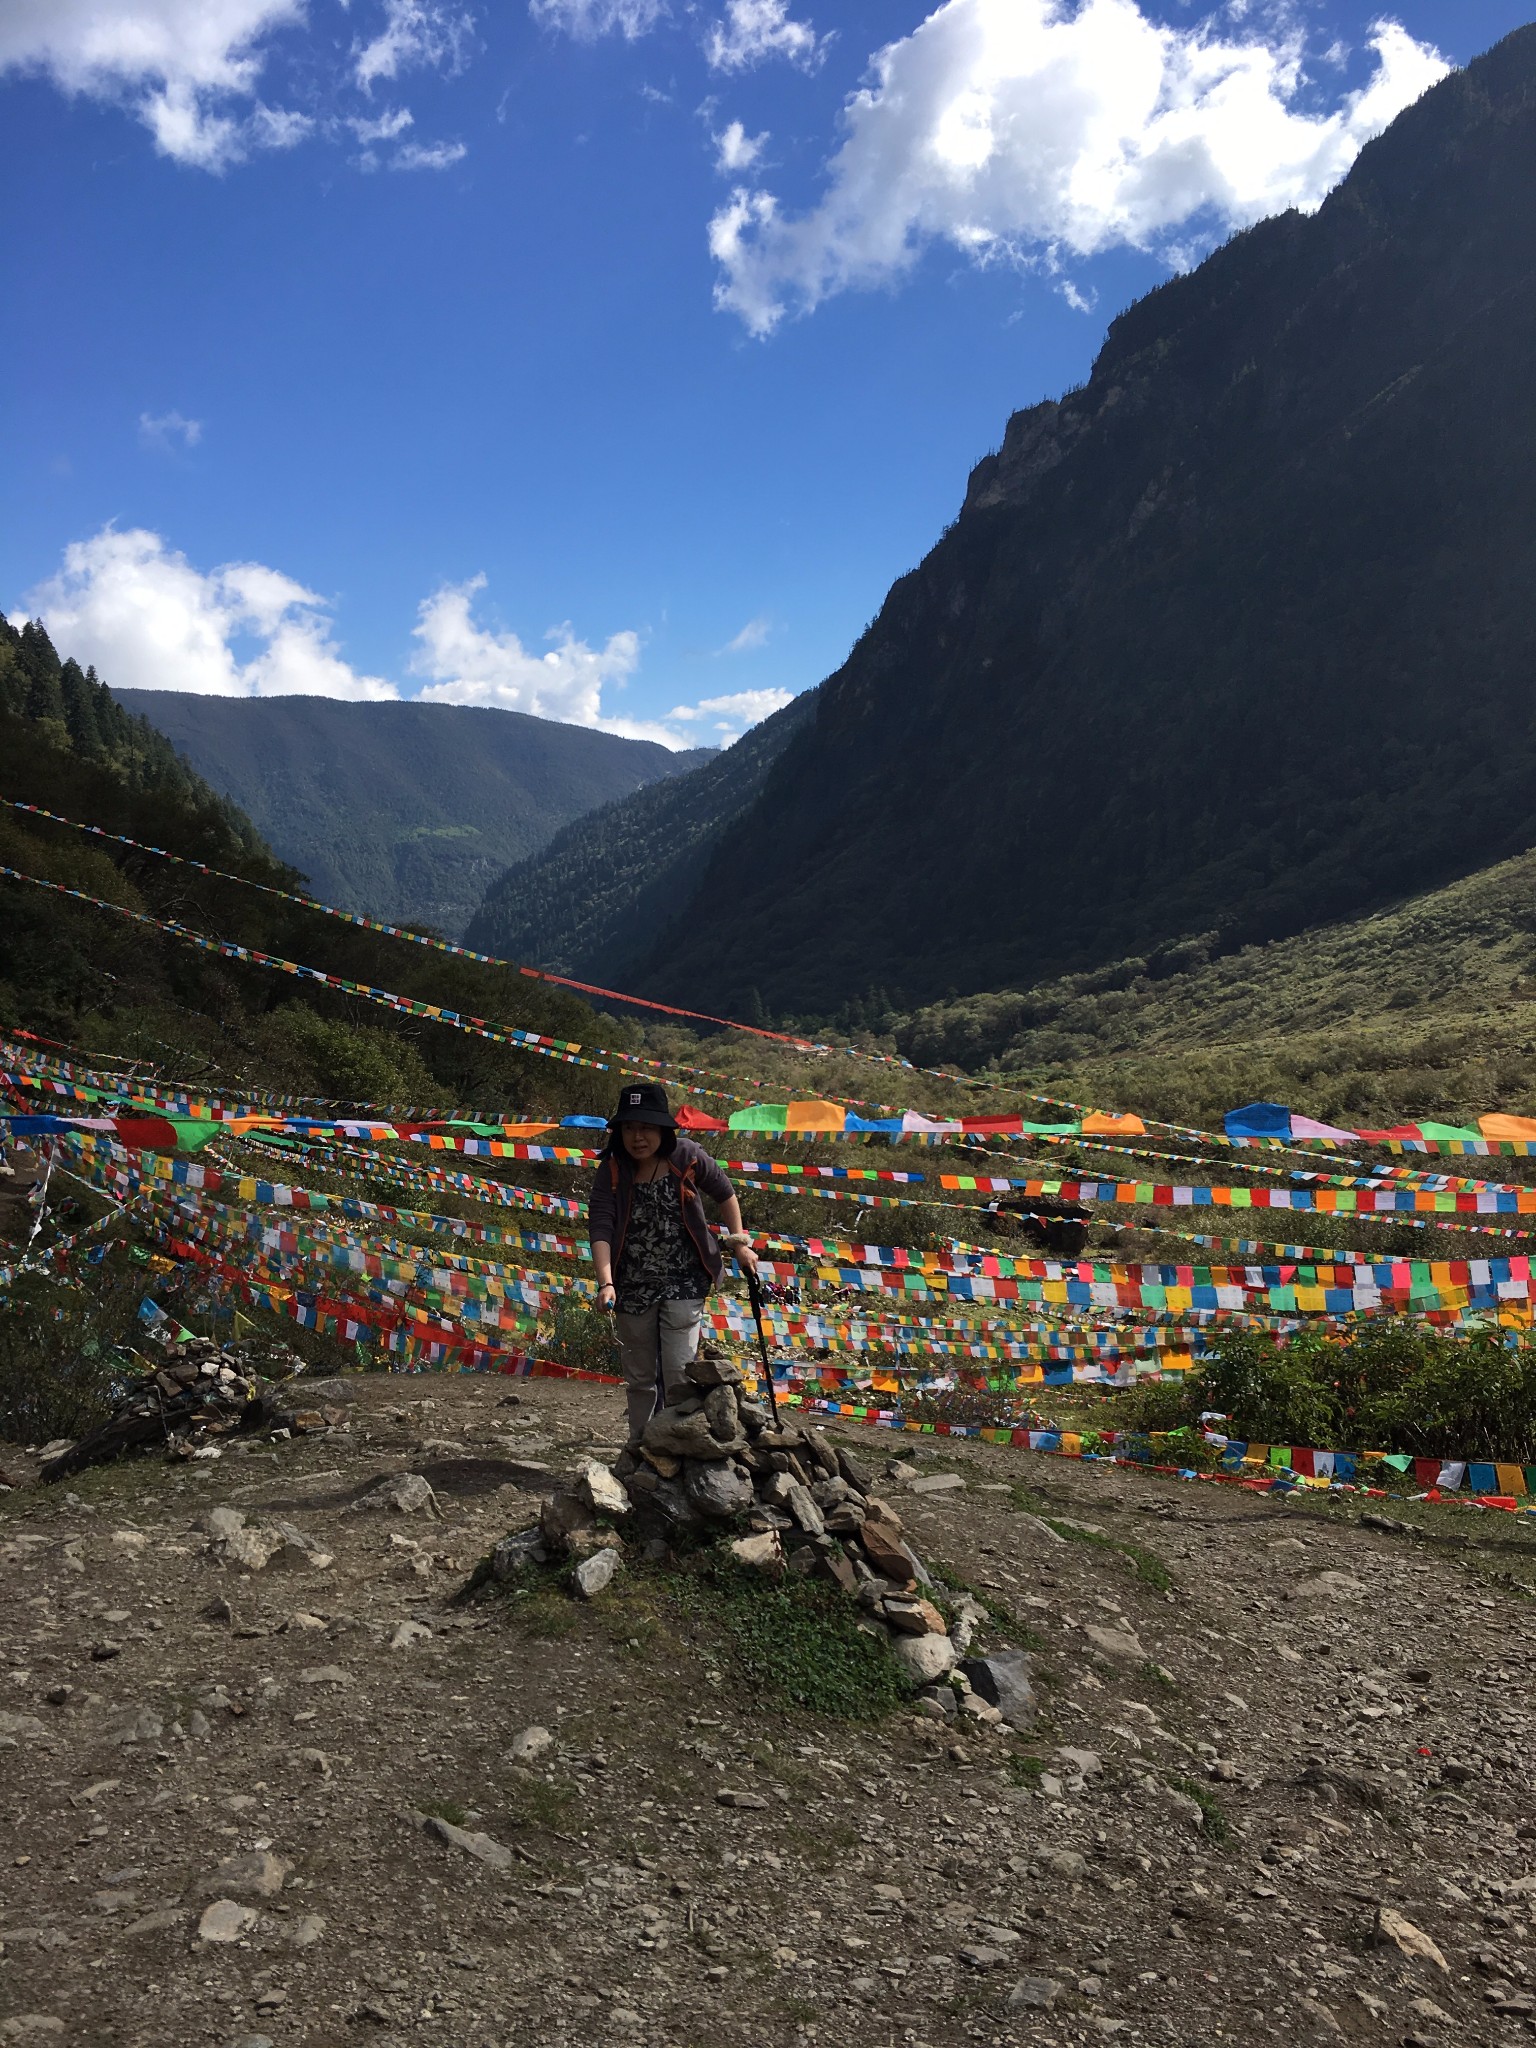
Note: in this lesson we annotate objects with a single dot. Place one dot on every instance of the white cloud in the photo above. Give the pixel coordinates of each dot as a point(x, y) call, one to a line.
point(471, 664)
point(1029, 130)
point(428, 156)
point(736, 150)
point(277, 128)
point(160, 429)
point(754, 634)
point(729, 717)
point(588, 20)
point(753, 30)
point(386, 127)
point(415, 33)
point(150, 621)
point(187, 68)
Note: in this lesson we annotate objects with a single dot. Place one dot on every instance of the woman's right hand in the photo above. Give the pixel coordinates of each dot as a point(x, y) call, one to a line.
point(607, 1296)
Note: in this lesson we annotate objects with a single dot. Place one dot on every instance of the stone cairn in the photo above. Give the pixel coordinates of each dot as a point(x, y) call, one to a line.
point(717, 1461)
point(202, 1392)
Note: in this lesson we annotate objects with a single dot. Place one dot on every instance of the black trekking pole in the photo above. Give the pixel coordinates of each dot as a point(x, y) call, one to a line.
point(755, 1296)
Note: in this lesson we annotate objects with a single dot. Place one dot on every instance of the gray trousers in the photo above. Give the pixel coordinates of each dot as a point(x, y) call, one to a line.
point(658, 1344)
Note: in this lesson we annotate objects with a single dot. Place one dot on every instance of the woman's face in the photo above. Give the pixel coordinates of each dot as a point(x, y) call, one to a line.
point(641, 1141)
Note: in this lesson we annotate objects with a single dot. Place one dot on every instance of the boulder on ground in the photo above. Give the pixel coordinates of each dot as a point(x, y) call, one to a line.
point(517, 1552)
point(595, 1574)
point(256, 1548)
point(924, 1658)
point(886, 1553)
point(563, 1515)
point(915, 1618)
point(257, 1874)
point(1120, 1645)
point(1003, 1681)
point(406, 1492)
point(761, 1553)
point(226, 1920)
point(662, 1509)
point(481, 1847)
point(600, 1489)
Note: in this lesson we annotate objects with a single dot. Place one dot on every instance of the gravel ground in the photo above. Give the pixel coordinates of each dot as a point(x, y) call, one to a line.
point(1280, 1782)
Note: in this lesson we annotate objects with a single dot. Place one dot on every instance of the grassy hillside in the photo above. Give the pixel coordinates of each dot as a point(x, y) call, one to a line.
point(407, 811)
point(1426, 1009)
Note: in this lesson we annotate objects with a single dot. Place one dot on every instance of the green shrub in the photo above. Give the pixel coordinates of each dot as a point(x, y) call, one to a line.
point(361, 1063)
point(1467, 1398)
point(582, 1338)
point(1390, 1387)
point(1272, 1395)
point(64, 1348)
point(1155, 1405)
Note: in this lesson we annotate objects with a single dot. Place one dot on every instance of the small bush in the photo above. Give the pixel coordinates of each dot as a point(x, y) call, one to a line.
point(1272, 1395)
point(582, 1338)
point(1214, 1824)
point(64, 1350)
point(1159, 1405)
point(450, 1810)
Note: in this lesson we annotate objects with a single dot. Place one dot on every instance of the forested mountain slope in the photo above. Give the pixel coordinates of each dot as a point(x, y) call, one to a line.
point(54, 703)
point(1237, 636)
point(594, 900)
point(407, 811)
point(110, 984)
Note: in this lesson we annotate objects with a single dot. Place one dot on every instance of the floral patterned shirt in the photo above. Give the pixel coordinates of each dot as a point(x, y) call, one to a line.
point(658, 1262)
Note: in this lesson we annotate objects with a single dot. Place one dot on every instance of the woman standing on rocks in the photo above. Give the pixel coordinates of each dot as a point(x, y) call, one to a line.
point(655, 1256)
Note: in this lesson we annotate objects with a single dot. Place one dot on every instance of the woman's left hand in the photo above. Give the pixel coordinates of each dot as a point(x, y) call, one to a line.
point(745, 1257)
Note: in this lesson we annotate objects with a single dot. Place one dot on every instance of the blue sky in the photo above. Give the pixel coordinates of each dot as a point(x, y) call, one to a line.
point(602, 358)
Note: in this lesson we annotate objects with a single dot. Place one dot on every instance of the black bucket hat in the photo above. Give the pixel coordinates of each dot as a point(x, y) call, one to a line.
point(644, 1102)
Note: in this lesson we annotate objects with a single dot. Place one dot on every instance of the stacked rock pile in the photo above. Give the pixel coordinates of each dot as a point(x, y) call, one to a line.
point(718, 1461)
point(200, 1393)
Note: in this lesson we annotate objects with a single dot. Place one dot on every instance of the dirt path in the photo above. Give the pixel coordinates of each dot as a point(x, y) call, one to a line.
point(1261, 1725)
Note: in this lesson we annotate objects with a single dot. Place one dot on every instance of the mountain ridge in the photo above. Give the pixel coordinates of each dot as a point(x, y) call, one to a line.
point(404, 810)
point(1235, 635)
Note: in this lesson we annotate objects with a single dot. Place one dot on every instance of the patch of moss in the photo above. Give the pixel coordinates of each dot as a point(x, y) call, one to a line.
point(796, 1643)
point(1214, 1824)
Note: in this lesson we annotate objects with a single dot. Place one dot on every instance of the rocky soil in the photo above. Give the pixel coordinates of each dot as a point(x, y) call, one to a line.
point(265, 1779)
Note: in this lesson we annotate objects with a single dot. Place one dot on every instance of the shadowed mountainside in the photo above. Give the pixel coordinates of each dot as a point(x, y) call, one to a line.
point(1238, 636)
point(594, 901)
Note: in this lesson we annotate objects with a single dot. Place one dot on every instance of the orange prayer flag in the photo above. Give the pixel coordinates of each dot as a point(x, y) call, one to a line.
point(815, 1116)
point(1507, 1126)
